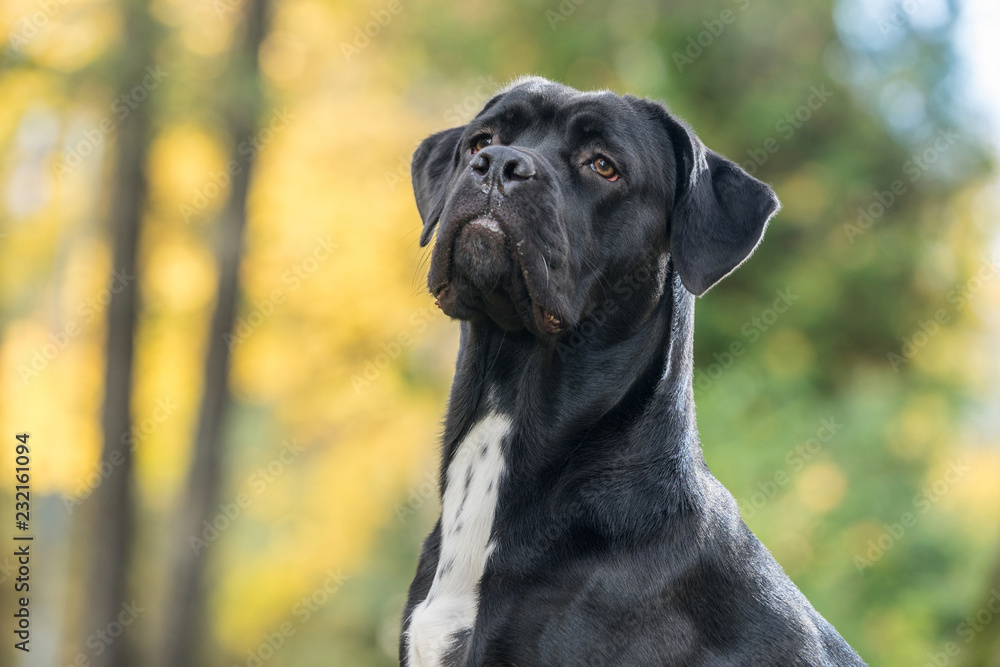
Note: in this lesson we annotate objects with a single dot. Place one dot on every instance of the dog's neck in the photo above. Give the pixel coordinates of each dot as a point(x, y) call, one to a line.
point(585, 388)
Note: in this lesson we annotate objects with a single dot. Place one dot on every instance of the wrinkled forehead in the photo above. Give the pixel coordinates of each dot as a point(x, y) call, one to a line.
point(536, 108)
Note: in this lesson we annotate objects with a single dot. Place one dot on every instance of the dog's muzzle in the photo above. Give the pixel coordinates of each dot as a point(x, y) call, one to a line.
point(482, 254)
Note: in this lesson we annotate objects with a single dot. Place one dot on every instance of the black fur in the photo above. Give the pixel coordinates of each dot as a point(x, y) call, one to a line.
point(615, 544)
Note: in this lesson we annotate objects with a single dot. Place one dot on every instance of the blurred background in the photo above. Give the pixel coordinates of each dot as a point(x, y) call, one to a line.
point(214, 324)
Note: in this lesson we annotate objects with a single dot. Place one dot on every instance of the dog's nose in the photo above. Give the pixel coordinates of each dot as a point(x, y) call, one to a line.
point(502, 166)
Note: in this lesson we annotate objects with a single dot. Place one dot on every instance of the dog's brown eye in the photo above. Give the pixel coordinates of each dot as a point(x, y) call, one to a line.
point(481, 142)
point(603, 167)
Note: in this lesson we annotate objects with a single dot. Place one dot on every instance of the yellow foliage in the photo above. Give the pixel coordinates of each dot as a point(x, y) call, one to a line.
point(803, 197)
point(788, 352)
point(65, 36)
point(821, 487)
point(920, 426)
point(183, 160)
point(38, 380)
point(975, 498)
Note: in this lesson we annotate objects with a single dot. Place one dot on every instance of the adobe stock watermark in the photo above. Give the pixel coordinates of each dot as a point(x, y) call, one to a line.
point(428, 486)
point(103, 469)
point(913, 170)
point(958, 298)
point(101, 639)
point(967, 630)
point(87, 311)
point(121, 107)
point(795, 461)
point(6, 569)
point(363, 35)
point(223, 7)
point(456, 114)
point(928, 496)
point(752, 330)
point(700, 42)
point(558, 526)
point(419, 495)
point(247, 150)
point(258, 482)
point(898, 16)
point(565, 9)
point(391, 350)
point(293, 279)
point(301, 612)
point(623, 291)
point(29, 26)
point(553, 529)
point(786, 126)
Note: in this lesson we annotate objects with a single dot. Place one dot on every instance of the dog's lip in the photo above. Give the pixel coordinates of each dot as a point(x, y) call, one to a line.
point(547, 322)
point(442, 295)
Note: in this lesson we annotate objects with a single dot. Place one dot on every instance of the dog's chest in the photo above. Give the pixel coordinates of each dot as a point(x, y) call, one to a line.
point(440, 625)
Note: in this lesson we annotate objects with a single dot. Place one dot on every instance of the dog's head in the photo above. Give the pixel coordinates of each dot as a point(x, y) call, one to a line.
point(551, 194)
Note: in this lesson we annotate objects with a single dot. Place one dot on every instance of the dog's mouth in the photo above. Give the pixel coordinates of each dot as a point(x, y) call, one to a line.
point(484, 271)
point(545, 321)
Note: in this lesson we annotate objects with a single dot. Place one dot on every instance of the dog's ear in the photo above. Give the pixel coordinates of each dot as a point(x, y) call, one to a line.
point(432, 168)
point(719, 212)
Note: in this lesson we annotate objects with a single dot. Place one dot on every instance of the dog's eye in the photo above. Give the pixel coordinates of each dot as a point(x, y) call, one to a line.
point(481, 142)
point(603, 167)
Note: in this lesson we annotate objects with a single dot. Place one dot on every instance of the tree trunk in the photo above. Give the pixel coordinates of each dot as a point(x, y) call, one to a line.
point(982, 648)
point(113, 516)
point(185, 613)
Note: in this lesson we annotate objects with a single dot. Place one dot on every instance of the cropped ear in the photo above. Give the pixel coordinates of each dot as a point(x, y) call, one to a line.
point(719, 214)
point(432, 168)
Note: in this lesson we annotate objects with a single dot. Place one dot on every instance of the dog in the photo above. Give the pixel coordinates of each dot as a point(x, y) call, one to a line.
point(580, 524)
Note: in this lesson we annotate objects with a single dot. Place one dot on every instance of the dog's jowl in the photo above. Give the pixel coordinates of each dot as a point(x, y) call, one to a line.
point(579, 523)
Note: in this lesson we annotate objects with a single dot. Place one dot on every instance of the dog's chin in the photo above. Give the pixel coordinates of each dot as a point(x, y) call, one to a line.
point(481, 255)
point(486, 279)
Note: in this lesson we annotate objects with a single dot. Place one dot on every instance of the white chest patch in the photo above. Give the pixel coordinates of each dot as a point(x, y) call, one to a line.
point(470, 499)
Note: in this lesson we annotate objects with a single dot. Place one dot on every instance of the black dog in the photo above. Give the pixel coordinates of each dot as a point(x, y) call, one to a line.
point(580, 525)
